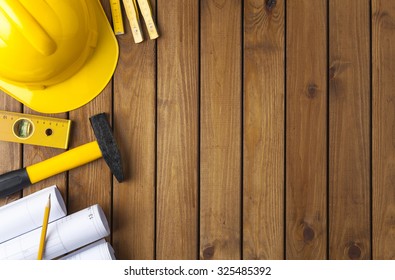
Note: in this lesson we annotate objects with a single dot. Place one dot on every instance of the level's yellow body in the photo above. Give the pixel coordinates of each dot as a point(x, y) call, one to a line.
point(63, 162)
point(42, 131)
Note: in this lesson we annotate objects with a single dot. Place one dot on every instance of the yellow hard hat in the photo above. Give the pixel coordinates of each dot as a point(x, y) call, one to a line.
point(55, 55)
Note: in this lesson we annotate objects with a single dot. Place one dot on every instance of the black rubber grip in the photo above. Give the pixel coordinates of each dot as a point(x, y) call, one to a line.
point(13, 182)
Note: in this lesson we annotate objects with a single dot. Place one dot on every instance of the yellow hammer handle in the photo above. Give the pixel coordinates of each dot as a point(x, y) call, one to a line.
point(64, 161)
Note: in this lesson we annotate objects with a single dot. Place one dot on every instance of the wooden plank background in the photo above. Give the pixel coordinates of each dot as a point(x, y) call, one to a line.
point(383, 126)
point(256, 129)
point(220, 129)
point(349, 130)
point(263, 131)
point(306, 130)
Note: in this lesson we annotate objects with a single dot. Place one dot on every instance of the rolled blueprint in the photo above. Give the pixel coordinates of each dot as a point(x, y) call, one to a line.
point(63, 236)
point(26, 214)
point(99, 250)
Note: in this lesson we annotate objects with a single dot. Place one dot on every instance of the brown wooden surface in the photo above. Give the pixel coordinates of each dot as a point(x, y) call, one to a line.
point(349, 130)
point(177, 131)
point(254, 129)
point(220, 123)
point(383, 69)
point(306, 134)
point(263, 153)
point(134, 94)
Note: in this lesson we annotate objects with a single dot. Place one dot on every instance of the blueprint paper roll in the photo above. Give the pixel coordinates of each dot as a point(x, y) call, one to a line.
point(63, 236)
point(99, 250)
point(82, 227)
point(26, 214)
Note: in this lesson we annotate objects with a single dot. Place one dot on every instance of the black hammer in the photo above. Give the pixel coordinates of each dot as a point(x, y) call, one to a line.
point(104, 146)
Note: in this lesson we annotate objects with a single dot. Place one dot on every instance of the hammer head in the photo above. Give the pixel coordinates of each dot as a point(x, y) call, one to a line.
point(107, 144)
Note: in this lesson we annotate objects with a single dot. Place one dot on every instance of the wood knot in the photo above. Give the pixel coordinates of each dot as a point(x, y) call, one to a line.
point(308, 234)
point(354, 252)
point(312, 91)
point(338, 66)
point(332, 72)
point(208, 253)
point(270, 4)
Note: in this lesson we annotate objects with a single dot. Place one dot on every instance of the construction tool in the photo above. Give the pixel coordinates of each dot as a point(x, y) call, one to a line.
point(134, 20)
point(146, 11)
point(116, 14)
point(132, 12)
point(44, 228)
point(34, 130)
point(104, 146)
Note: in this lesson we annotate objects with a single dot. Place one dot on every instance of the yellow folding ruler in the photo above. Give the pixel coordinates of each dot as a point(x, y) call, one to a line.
point(34, 130)
point(134, 21)
point(132, 13)
point(146, 11)
point(116, 14)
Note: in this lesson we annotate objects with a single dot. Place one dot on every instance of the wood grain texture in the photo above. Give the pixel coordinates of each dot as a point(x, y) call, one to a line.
point(177, 131)
point(90, 184)
point(306, 142)
point(383, 65)
point(220, 165)
point(349, 130)
point(248, 129)
point(134, 124)
point(11, 153)
point(263, 177)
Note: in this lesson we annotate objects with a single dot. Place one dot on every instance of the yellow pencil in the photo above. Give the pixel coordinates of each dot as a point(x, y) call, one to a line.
point(44, 229)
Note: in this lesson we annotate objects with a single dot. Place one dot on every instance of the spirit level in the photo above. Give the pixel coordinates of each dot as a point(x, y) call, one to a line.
point(34, 130)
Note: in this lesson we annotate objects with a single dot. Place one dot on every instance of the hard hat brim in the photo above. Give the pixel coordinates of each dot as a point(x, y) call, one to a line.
point(82, 87)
